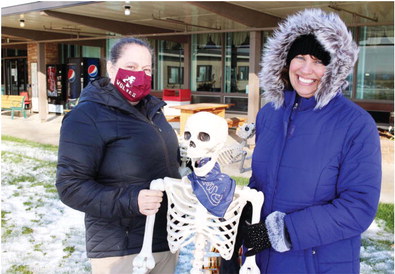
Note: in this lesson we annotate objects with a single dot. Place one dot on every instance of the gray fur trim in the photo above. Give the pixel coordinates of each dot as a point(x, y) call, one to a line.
point(276, 230)
point(334, 36)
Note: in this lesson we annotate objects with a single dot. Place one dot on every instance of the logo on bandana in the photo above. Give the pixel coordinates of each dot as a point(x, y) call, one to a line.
point(210, 189)
point(214, 191)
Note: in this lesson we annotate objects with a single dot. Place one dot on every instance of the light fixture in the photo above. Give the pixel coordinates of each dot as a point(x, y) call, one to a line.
point(210, 44)
point(22, 23)
point(127, 10)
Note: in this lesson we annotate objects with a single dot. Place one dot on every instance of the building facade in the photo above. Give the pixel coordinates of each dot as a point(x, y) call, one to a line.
point(218, 64)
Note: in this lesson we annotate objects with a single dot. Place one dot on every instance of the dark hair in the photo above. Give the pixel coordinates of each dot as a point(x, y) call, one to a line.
point(284, 76)
point(117, 48)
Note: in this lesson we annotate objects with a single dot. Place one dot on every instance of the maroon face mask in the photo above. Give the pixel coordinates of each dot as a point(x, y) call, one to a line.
point(133, 85)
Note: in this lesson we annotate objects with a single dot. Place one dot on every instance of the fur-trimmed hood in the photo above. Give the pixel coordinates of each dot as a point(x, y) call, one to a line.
point(333, 35)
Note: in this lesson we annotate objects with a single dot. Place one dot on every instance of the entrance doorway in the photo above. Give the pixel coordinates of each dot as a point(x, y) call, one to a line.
point(14, 75)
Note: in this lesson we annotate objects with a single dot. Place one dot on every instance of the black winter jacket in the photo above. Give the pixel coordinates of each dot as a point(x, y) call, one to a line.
point(108, 152)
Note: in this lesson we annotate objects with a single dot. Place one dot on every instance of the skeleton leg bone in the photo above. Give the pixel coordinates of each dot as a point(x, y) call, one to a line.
point(145, 261)
point(249, 266)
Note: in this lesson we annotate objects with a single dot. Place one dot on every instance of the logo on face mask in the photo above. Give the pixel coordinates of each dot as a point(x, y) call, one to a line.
point(133, 85)
point(129, 81)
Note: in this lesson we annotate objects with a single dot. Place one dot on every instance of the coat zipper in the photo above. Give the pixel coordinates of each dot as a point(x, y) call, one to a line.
point(291, 116)
point(163, 143)
point(158, 130)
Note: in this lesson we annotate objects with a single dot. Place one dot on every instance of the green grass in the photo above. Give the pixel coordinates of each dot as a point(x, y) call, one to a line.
point(20, 269)
point(241, 181)
point(386, 213)
point(29, 143)
point(69, 250)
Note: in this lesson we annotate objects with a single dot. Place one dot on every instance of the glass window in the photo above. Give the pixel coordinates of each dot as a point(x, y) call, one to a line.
point(170, 73)
point(203, 73)
point(91, 52)
point(8, 52)
point(265, 36)
point(375, 76)
point(68, 51)
point(175, 75)
point(205, 99)
point(237, 57)
point(206, 67)
point(238, 103)
point(347, 92)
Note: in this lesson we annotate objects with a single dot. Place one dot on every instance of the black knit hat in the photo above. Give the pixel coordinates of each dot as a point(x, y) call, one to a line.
point(308, 44)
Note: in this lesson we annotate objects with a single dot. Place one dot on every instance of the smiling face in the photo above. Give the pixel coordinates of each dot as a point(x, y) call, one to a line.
point(305, 73)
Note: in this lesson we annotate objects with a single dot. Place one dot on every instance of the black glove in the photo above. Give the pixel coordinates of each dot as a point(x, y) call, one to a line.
point(256, 237)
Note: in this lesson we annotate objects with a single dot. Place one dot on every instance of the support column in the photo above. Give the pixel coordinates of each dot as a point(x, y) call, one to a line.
point(42, 83)
point(253, 79)
point(187, 63)
point(103, 61)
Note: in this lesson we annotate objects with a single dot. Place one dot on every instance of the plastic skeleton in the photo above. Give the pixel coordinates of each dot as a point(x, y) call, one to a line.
point(188, 220)
point(236, 153)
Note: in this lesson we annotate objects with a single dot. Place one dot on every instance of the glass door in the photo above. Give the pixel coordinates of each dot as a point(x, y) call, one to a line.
point(14, 76)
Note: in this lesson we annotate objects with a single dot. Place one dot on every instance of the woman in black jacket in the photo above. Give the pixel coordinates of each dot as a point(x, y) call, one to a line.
point(112, 145)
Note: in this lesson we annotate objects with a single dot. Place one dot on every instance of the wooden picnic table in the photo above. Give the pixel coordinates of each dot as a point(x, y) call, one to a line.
point(188, 110)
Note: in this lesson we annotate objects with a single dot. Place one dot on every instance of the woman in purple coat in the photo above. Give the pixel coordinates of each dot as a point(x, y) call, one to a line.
point(317, 156)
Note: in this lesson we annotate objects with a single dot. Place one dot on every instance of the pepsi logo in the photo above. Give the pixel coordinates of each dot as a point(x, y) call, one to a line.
point(92, 71)
point(71, 75)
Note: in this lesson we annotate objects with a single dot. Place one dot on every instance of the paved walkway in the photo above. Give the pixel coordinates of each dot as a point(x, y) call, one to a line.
point(48, 133)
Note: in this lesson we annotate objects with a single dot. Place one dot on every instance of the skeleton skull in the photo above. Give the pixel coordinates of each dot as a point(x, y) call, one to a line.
point(205, 134)
point(246, 131)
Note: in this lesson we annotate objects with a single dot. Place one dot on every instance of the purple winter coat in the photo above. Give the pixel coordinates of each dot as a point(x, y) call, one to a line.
point(318, 162)
point(322, 167)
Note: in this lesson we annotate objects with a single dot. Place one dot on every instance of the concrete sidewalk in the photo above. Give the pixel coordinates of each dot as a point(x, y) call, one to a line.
point(32, 128)
point(48, 133)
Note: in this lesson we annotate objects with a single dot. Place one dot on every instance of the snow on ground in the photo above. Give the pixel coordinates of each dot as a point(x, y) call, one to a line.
point(42, 235)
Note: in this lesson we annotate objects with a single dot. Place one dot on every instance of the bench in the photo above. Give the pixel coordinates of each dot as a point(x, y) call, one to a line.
point(235, 122)
point(13, 103)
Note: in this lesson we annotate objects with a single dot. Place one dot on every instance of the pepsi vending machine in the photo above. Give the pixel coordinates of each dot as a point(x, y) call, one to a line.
point(80, 72)
point(74, 76)
point(91, 70)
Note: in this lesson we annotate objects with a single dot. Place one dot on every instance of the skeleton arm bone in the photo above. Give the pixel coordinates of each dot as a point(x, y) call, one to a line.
point(256, 198)
point(145, 261)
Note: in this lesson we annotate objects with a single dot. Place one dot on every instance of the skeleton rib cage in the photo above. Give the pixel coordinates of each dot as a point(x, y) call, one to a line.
point(188, 220)
point(186, 217)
